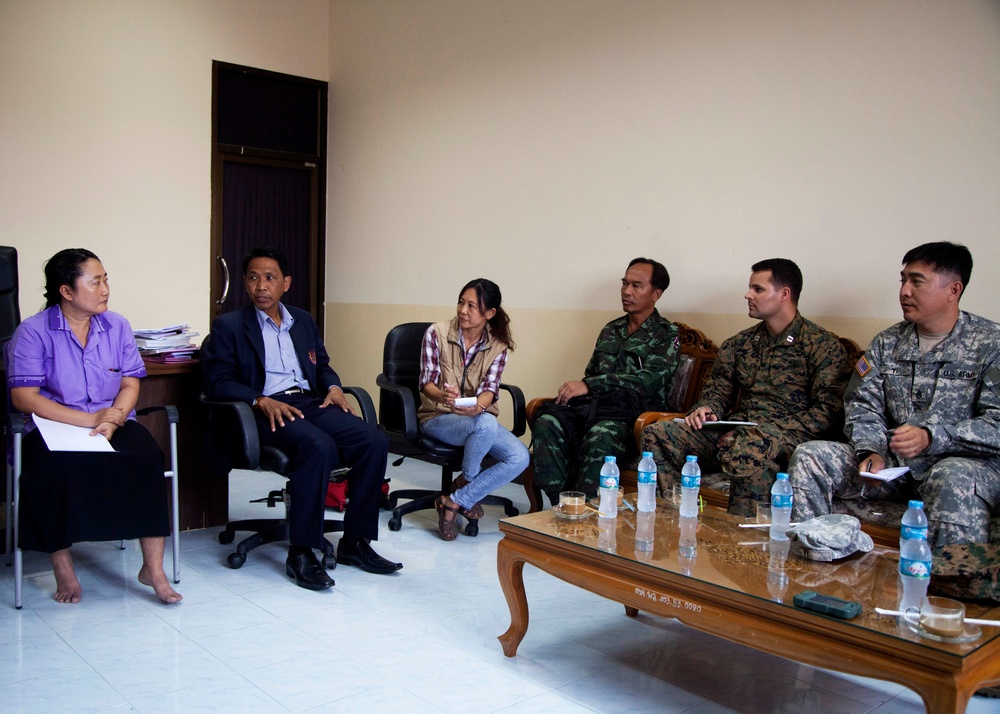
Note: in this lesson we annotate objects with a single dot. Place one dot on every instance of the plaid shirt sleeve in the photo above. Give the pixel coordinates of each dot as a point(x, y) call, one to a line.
point(430, 359)
point(491, 380)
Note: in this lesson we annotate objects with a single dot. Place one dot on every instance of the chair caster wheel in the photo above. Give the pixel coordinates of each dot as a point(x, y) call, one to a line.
point(386, 504)
point(236, 560)
point(226, 537)
point(472, 529)
point(329, 561)
point(395, 524)
point(511, 511)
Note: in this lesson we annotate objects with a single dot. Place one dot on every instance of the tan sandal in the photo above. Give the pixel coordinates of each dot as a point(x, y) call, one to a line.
point(446, 527)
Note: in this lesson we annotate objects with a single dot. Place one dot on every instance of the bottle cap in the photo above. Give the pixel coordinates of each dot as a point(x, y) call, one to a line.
point(647, 454)
point(692, 458)
point(782, 476)
point(609, 459)
point(916, 504)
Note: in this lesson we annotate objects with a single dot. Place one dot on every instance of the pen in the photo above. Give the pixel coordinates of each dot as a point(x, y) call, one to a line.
point(869, 468)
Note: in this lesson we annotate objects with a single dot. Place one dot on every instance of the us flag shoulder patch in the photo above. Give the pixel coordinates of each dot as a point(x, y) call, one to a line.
point(862, 367)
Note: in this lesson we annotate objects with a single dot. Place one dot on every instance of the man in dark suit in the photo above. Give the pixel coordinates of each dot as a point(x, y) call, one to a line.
point(271, 356)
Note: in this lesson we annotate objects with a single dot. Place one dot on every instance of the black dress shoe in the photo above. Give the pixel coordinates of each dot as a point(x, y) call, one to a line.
point(307, 571)
point(361, 554)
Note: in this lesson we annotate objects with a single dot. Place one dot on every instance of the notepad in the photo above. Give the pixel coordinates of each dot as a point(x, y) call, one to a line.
point(886, 474)
point(723, 422)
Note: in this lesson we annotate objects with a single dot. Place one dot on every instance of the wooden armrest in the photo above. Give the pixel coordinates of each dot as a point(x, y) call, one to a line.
point(647, 418)
point(533, 406)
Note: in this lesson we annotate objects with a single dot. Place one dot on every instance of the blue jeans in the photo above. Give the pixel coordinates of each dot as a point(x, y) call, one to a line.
point(481, 435)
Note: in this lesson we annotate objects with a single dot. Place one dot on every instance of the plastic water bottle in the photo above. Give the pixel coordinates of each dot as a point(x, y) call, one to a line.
point(687, 546)
point(914, 524)
point(690, 483)
point(647, 483)
point(914, 566)
point(781, 507)
point(609, 488)
point(644, 524)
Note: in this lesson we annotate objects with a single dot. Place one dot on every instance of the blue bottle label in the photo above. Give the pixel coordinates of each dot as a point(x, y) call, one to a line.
point(913, 532)
point(609, 481)
point(690, 481)
point(647, 477)
point(781, 500)
point(915, 568)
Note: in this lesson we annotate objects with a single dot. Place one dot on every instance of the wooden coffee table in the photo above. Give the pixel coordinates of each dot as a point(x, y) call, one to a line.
point(733, 588)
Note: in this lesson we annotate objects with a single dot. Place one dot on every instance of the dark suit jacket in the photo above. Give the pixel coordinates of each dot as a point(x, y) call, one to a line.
point(232, 357)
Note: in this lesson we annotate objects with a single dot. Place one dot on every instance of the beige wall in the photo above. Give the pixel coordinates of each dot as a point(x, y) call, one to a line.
point(541, 143)
point(105, 134)
point(544, 143)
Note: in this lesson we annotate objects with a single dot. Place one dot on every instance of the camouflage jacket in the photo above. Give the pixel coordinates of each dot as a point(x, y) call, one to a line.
point(644, 360)
point(953, 391)
point(793, 382)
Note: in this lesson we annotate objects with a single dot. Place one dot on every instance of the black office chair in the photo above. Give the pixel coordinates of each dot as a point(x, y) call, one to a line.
point(10, 310)
point(398, 400)
point(10, 318)
point(232, 424)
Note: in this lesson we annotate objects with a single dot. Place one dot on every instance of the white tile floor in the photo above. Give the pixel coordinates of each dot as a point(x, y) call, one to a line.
point(423, 640)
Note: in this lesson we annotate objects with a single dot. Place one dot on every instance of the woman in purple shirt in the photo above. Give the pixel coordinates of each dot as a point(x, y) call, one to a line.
point(75, 362)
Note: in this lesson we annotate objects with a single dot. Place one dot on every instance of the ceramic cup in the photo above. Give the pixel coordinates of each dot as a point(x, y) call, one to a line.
point(573, 503)
point(939, 616)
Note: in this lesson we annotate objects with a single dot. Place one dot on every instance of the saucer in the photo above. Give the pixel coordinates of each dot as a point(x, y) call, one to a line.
point(557, 511)
point(596, 503)
point(972, 633)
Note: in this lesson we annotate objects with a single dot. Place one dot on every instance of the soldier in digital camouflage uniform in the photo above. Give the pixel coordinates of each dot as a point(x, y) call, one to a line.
point(786, 374)
point(639, 351)
point(925, 395)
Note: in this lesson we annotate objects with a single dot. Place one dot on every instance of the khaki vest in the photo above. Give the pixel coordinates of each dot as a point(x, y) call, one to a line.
point(452, 368)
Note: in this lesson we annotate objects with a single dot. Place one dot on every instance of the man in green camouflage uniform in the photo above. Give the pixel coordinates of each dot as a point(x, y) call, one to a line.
point(786, 374)
point(925, 395)
point(639, 351)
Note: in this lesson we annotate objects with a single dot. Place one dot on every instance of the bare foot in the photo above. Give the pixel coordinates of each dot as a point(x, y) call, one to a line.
point(68, 589)
point(161, 586)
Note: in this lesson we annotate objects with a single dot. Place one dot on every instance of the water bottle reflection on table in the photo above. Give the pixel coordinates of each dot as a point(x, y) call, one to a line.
point(777, 578)
point(607, 538)
point(644, 526)
point(687, 546)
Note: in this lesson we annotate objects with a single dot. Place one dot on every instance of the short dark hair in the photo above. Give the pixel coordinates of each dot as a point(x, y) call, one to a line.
point(784, 274)
point(489, 298)
point(64, 268)
point(266, 252)
point(660, 278)
point(946, 257)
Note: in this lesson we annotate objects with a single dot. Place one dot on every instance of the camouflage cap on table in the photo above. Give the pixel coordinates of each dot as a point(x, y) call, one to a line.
point(829, 537)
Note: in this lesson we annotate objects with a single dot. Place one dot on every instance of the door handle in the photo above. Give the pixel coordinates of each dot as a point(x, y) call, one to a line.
point(225, 280)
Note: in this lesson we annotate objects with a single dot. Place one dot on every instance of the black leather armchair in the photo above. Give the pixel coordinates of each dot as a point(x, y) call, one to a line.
point(235, 444)
point(398, 400)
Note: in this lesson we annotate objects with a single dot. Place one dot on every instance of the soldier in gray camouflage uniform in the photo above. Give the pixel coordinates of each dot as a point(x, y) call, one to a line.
point(925, 395)
point(786, 374)
point(638, 351)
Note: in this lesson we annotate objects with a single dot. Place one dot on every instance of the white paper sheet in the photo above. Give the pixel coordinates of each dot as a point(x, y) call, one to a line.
point(66, 437)
point(886, 474)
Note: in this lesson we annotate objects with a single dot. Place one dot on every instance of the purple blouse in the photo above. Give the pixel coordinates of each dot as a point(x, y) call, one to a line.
point(45, 353)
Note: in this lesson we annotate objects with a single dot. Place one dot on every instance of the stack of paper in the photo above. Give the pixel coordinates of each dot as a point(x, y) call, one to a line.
point(166, 344)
